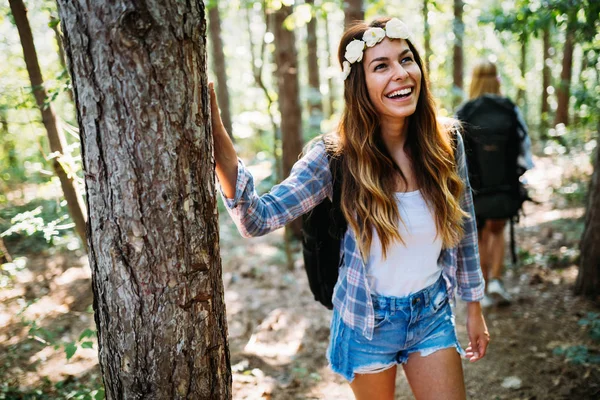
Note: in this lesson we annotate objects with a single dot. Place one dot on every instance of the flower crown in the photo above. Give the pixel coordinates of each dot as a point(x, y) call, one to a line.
point(394, 29)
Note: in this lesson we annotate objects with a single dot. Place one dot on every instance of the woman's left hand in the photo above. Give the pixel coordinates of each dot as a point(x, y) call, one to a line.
point(479, 336)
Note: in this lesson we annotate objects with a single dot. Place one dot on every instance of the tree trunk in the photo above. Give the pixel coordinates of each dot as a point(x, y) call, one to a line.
point(220, 67)
point(457, 53)
point(140, 84)
point(545, 107)
point(588, 279)
point(62, 59)
point(521, 93)
point(9, 149)
point(286, 60)
point(353, 11)
point(315, 106)
point(426, 34)
point(330, 82)
point(564, 88)
point(75, 203)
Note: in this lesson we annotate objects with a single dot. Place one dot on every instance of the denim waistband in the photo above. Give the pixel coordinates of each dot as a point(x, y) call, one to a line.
point(424, 295)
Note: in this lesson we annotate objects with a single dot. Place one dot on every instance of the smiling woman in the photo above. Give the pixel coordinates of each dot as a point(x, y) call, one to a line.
point(411, 238)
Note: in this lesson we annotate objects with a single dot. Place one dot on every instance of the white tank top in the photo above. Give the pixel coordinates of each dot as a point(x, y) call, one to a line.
point(411, 266)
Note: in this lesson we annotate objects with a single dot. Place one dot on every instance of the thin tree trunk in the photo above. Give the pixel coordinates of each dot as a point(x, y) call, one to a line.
point(7, 142)
point(588, 279)
point(286, 60)
point(62, 58)
point(257, 68)
point(315, 106)
point(545, 107)
point(75, 203)
point(4, 254)
point(330, 82)
point(139, 79)
point(521, 93)
point(564, 88)
point(457, 53)
point(220, 67)
point(354, 10)
point(426, 34)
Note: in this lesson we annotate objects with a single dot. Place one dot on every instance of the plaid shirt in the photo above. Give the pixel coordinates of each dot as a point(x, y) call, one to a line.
point(309, 183)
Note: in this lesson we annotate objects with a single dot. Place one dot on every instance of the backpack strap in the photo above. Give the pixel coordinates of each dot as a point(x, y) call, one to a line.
point(338, 221)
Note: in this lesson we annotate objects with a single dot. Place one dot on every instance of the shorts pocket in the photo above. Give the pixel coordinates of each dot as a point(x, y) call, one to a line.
point(439, 301)
point(381, 317)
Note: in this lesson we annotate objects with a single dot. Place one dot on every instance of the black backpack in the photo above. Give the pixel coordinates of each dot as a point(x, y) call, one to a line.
point(322, 231)
point(492, 144)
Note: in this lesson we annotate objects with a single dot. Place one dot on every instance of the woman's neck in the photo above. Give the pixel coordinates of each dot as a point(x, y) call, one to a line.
point(393, 134)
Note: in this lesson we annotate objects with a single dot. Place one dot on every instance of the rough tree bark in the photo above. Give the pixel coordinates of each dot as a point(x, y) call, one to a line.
point(545, 106)
point(563, 91)
point(219, 66)
point(458, 27)
point(56, 137)
point(588, 279)
point(140, 85)
point(315, 105)
point(353, 10)
point(286, 59)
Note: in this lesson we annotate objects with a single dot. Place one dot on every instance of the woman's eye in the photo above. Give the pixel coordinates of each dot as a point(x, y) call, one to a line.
point(379, 66)
point(406, 59)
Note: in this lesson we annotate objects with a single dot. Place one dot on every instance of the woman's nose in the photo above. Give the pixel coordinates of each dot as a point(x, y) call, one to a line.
point(400, 73)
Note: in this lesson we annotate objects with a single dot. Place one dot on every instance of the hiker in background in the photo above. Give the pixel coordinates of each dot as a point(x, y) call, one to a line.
point(411, 233)
point(498, 153)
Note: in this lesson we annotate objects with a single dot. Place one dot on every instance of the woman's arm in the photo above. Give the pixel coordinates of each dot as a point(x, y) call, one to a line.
point(468, 275)
point(226, 159)
point(308, 184)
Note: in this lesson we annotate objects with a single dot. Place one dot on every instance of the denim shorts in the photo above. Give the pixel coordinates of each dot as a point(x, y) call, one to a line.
point(422, 321)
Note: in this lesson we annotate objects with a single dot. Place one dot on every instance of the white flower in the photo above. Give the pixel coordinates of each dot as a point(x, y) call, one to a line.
point(396, 29)
point(354, 51)
point(345, 70)
point(372, 36)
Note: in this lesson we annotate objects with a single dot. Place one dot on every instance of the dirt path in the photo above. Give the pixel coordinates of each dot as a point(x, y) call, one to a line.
point(278, 333)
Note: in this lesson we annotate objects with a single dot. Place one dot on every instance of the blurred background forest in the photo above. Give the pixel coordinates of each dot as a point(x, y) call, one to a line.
point(548, 54)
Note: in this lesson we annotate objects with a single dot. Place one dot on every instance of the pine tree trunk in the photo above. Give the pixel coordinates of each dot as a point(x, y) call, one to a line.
point(457, 53)
point(75, 203)
point(286, 60)
point(588, 279)
point(545, 107)
point(140, 84)
point(220, 67)
point(426, 34)
point(315, 106)
point(564, 88)
point(353, 11)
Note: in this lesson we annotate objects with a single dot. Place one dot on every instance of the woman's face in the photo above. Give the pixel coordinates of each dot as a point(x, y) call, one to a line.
point(393, 79)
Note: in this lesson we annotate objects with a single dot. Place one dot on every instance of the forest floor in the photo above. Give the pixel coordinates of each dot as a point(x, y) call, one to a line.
point(541, 346)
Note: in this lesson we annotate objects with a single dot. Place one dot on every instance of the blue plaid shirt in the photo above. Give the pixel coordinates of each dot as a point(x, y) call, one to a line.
point(309, 183)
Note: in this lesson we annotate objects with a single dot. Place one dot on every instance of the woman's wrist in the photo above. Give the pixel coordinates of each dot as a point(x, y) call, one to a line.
point(474, 308)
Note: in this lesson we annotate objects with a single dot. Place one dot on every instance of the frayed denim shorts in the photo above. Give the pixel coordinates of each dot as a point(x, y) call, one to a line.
point(422, 321)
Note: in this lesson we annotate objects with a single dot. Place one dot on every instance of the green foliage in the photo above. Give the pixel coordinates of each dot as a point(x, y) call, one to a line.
point(578, 354)
point(36, 226)
point(573, 188)
point(592, 320)
point(67, 389)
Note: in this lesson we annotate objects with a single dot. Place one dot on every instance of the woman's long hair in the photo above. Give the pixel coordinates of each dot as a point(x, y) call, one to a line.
point(368, 199)
point(484, 79)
